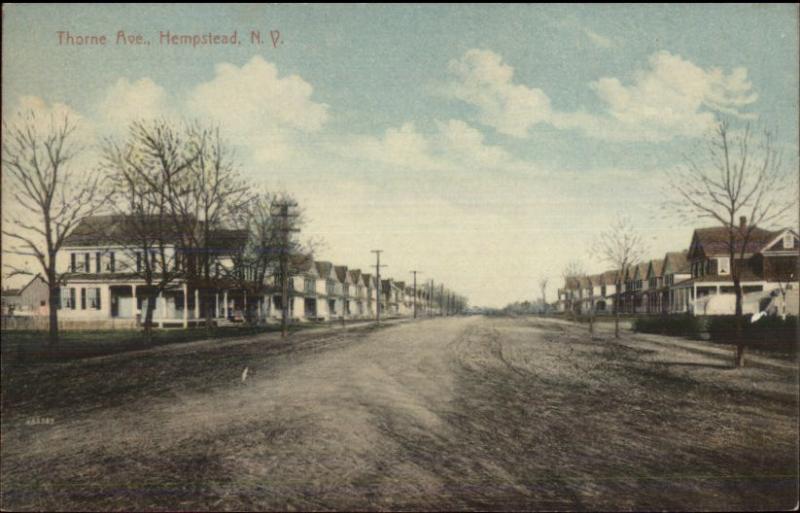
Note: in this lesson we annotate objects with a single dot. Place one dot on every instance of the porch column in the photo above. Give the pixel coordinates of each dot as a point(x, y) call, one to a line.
point(225, 304)
point(135, 301)
point(185, 306)
point(216, 304)
point(197, 304)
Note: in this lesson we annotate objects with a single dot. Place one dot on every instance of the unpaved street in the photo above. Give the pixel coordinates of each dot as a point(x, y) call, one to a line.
point(455, 413)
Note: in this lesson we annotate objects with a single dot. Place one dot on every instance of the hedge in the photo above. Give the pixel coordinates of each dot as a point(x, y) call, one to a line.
point(769, 332)
point(677, 325)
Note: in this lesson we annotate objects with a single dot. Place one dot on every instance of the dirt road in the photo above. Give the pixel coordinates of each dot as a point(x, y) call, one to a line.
point(460, 413)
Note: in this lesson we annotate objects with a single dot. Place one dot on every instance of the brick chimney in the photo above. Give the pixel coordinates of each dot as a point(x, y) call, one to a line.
point(742, 222)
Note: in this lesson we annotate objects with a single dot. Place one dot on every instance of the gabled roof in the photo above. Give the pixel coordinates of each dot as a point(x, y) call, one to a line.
point(714, 241)
point(341, 273)
point(368, 280)
point(609, 277)
point(401, 285)
point(302, 264)
point(776, 244)
point(355, 276)
point(324, 269)
point(655, 268)
point(641, 271)
point(676, 262)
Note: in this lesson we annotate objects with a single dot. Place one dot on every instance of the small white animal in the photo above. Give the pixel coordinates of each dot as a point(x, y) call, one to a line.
point(244, 374)
point(757, 316)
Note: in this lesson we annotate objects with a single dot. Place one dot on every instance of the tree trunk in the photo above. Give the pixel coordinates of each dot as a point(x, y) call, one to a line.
point(740, 347)
point(148, 318)
point(53, 311)
point(616, 319)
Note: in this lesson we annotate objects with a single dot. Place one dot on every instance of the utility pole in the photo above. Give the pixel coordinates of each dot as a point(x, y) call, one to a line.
point(430, 299)
point(415, 291)
point(378, 285)
point(285, 228)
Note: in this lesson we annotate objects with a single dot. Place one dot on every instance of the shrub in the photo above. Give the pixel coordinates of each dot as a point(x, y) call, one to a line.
point(679, 325)
point(770, 333)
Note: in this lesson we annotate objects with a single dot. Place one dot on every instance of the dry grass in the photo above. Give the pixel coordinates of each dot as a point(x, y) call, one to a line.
point(501, 414)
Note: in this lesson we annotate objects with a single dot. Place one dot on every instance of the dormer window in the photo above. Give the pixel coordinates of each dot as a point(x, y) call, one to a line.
point(788, 241)
point(724, 265)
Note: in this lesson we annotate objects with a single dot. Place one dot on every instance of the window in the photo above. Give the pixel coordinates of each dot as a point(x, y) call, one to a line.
point(97, 262)
point(83, 299)
point(138, 262)
point(87, 257)
point(724, 265)
point(788, 241)
point(94, 298)
point(72, 262)
point(72, 298)
point(110, 264)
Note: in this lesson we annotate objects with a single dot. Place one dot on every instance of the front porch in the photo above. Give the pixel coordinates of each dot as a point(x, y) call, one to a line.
point(177, 306)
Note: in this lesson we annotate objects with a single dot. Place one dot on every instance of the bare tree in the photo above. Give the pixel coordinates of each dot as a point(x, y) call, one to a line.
point(620, 246)
point(200, 199)
point(154, 155)
point(572, 274)
point(51, 196)
point(543, 287)
point(740, 181)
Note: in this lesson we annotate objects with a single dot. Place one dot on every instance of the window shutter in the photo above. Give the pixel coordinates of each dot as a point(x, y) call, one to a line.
point(72, 298)
point(97, 262)
point(72, 262)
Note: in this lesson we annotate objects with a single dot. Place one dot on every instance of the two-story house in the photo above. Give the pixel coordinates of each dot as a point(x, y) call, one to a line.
point(764, 260)
point(104, 271)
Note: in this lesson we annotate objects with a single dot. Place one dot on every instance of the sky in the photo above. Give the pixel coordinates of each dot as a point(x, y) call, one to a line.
point(485, 146)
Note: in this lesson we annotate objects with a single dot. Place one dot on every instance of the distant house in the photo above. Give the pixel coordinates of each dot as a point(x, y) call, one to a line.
point(676, 271)
point(608, 291)
point(654, 297)
point(30, 300)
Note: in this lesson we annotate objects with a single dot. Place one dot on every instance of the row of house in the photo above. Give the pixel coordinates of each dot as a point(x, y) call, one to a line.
point(103, 283)
point(697, 280)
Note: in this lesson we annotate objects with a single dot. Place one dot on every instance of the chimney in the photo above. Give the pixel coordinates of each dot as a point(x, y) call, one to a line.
point(742, 222)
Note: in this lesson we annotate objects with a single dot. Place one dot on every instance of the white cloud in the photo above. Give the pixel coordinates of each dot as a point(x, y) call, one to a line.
point(455, 145)
point(483, 80)
point(258, 108)
point(127, 101)
point(671, 97)
point(464, 143)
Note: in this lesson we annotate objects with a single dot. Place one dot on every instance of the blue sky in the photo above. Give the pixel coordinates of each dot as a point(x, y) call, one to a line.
point(482, 144)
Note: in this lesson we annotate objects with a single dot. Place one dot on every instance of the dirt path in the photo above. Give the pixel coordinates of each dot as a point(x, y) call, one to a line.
point(463, 413)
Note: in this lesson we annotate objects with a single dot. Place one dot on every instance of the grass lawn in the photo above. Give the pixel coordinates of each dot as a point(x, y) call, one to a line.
point(29, 346)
